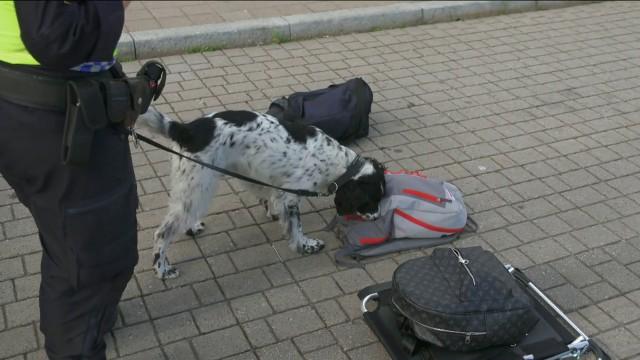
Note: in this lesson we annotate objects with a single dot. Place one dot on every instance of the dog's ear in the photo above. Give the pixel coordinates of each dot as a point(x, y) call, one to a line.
point(380, 168)
point(343, 199)
point(377, 164)
point(340, 205)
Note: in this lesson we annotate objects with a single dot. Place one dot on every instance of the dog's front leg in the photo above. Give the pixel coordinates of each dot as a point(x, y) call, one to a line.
point(291, 220)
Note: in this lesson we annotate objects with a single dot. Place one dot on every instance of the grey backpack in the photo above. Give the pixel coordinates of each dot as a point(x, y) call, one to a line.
point(415, 212)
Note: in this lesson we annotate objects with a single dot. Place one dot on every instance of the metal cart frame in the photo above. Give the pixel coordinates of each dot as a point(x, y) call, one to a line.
point(576, 342)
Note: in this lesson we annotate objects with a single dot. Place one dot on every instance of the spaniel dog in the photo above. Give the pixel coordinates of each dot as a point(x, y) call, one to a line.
point(259, 146)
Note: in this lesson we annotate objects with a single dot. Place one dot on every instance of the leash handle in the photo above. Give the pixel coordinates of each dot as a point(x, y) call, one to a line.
point(300, 192)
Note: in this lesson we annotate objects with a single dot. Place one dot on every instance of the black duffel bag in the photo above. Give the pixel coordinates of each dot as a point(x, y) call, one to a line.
point(340, 110)
point(462, 300)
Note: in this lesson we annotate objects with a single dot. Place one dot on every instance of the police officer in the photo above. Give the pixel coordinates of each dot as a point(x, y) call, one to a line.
point(85, 213)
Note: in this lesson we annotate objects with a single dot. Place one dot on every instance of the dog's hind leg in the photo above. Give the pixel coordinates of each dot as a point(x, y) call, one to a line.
point(164, 236)
point(188, 203)
point(290, 219)
point(202, 199)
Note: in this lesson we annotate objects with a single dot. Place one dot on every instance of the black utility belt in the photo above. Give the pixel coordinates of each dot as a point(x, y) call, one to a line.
point(91, 102)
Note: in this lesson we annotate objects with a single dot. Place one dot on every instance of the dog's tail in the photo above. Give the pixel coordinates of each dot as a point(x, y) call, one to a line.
point(155, 121)
point(191, 137)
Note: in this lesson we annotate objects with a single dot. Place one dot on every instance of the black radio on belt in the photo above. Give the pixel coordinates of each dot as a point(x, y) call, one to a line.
point(93, 104)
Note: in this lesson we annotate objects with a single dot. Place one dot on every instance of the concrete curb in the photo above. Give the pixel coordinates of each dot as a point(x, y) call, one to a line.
point(163, 42)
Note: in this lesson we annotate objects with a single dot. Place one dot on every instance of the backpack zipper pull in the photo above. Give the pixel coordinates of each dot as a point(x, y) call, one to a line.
point(464, 263)
point(467, 339)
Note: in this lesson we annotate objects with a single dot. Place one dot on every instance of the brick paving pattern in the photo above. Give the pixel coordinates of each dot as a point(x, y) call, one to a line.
point(151, 15)
point(535, 116)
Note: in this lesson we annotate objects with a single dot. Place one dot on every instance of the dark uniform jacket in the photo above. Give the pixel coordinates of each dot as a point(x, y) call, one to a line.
point(60, 39)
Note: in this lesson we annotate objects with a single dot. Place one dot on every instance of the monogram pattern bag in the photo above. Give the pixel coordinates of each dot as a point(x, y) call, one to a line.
point(462, 300)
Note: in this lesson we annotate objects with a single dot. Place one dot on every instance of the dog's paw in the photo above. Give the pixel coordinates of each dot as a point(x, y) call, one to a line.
point(163, 269)
point(310, 246)
point(170, 272)
point(198, 228)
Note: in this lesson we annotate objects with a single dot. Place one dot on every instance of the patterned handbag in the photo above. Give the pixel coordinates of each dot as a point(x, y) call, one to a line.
point(462, 299)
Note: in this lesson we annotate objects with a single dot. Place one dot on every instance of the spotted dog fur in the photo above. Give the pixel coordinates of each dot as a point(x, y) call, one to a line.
point(287, 155)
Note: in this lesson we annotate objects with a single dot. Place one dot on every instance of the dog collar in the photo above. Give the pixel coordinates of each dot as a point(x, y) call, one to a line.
point(352, 170)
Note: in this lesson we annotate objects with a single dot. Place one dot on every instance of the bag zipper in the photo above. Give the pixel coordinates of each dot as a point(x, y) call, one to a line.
point(467, 334)
point(464, 263)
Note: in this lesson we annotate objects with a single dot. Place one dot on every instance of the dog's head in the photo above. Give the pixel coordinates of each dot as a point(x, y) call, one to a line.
point(361, 195)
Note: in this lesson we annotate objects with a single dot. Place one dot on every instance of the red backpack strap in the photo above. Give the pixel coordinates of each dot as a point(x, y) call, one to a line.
point(426, 225)
point(426, 196)
point(373, 240)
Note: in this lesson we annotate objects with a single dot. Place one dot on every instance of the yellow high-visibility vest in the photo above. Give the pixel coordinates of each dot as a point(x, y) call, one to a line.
point(12, 49)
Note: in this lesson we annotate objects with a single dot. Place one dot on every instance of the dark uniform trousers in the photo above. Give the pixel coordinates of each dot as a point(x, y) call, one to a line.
point(86, 217)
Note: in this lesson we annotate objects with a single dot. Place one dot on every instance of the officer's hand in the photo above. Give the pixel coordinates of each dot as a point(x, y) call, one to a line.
point(125, 3)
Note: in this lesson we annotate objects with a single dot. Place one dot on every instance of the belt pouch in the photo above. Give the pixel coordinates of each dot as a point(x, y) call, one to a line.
point(119, 102)
point(86, 113)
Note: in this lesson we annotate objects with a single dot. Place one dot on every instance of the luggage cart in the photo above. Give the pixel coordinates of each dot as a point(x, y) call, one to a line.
point(554, 337)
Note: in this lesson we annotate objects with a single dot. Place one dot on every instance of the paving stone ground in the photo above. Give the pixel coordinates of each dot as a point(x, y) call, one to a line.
point(151, 15)
point(534, 116)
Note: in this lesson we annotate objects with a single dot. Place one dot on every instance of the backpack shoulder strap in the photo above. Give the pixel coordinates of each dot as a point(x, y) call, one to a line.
point(471, 225)
point(350, 257)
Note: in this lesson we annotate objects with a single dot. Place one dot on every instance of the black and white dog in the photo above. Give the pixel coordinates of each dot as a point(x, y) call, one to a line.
point(287, 155)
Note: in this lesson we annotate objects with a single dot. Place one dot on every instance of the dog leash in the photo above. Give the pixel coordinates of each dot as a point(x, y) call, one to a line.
point(352, 170)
